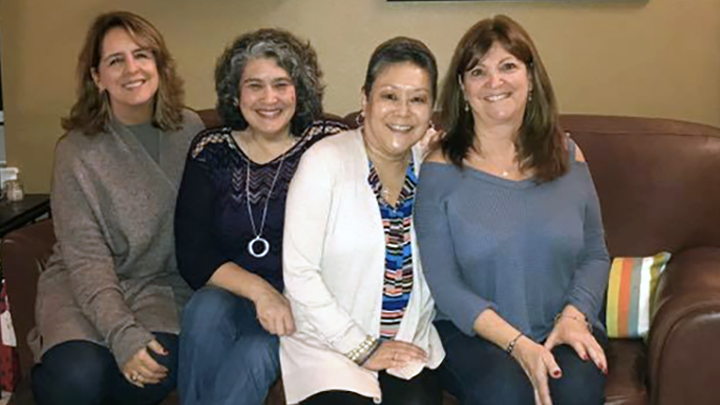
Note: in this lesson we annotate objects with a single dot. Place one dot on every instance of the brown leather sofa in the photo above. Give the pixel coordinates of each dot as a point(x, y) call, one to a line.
point(659, 186)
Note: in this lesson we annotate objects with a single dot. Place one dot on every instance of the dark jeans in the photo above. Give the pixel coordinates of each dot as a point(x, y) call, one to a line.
point(478, 372)
point(423, 389)
point(227, 357)
point(79, 372)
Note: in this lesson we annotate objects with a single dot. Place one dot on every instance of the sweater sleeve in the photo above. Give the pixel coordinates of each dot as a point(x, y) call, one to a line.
point(453, 296)
point(307, 213)
point(198, 256)
point(87, 256)
point(591, 276)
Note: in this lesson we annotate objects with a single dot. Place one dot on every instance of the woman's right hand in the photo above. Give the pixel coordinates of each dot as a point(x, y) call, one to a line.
point(274, 313)
point(537, 362)
point(393, 354)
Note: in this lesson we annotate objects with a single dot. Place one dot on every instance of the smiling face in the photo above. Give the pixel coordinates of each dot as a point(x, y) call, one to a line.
point(397, 110)
point(129, 74)
point(267, 97)
point(497, 88)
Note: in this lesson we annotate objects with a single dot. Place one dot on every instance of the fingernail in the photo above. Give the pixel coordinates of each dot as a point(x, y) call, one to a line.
point(556, 373)
point(584, 357)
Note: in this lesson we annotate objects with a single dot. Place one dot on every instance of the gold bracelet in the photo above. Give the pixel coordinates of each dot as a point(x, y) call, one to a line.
point(575, 318)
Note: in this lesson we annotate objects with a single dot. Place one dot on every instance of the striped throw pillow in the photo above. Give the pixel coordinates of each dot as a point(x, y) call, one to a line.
point(632, 284)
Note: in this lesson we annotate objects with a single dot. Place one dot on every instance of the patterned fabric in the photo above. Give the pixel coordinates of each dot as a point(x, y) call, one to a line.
point(398, 278)
point(9, 358)
point(212, 224)
point(632, 285)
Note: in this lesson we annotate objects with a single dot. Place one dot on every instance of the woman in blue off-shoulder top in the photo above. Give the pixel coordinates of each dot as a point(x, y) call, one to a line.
point(510, 233)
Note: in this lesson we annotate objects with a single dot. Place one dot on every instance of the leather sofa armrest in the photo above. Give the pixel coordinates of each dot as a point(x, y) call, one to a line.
point(683, 354)
point(24, 254)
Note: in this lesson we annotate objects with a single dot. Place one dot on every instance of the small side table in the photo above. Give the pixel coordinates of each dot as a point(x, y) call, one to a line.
point(16, 214)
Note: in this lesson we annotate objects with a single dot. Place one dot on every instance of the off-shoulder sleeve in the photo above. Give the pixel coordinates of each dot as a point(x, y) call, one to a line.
point(443, 274)
point(591, 276)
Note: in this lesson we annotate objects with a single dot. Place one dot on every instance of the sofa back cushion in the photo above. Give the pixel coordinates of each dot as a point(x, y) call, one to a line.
point(658, 181)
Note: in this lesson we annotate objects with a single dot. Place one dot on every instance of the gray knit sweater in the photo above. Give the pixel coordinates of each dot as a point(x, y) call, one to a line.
point(521, 248)
point(112, 278)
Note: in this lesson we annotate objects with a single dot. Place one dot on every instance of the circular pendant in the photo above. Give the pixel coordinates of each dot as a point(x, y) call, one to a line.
point(264, 247)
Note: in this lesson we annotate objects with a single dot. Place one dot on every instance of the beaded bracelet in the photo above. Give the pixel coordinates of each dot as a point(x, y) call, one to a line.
point(359, 354)
point(370, 352)
point(575, 318)
point(511, 346)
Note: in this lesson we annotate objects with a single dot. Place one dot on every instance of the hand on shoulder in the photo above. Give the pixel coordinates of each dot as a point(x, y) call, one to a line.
point(579, 156)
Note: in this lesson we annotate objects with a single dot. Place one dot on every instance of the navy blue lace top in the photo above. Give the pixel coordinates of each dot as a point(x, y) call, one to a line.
point(212, 224)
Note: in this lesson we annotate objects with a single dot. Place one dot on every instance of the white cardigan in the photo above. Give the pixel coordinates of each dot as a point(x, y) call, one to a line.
point(333, 263)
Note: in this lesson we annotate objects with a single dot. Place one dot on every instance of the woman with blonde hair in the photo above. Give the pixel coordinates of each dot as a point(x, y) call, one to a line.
point(109, 301)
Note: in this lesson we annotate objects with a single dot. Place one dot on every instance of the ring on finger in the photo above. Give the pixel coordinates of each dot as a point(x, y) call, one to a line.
point(134, 377)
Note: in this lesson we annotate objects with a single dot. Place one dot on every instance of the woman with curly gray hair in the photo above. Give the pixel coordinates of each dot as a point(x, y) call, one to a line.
point(230, 214)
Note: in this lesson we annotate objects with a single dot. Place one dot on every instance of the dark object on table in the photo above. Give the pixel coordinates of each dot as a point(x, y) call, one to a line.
point(15, 214)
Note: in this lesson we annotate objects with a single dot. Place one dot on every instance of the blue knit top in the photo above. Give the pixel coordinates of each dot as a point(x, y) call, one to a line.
point(522, 248)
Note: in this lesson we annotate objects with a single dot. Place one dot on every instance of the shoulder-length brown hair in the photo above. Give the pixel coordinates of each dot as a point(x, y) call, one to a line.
point(91, 113)
point(540, 143)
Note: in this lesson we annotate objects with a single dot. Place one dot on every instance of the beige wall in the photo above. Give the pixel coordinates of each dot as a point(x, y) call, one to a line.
point(657, 58)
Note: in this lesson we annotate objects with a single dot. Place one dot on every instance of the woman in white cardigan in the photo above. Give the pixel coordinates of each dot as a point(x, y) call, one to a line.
point(363, 311)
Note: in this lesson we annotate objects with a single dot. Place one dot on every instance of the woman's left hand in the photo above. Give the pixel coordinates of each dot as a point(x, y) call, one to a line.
point(571, 329)
point(142, 369)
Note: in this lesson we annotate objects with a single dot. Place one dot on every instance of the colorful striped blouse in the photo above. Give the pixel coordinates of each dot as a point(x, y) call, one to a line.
point(398, 278)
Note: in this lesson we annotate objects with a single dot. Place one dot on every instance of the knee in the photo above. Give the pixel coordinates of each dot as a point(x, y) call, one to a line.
point(75, 369)
point(579, 389)
point(261, 352)
point(581, 382)
point(169, 341)
point(208, 311)
point(506, 387)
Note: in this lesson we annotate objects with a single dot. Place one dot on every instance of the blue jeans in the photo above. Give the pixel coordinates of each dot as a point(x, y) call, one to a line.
point(226, 355)
point(478, 372)
point(79, 372)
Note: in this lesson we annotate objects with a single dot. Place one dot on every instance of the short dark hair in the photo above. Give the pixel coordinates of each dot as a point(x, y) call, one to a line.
point(399, 50)
point(91, 112)
point(541, 143)
point(296, 57)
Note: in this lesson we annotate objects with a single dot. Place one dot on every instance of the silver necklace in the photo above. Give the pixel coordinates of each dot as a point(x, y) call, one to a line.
point(258, 239)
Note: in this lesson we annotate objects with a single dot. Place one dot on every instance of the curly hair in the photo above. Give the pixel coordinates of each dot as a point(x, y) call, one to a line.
point(91, 113)
point(296, 57)
point(540, 143)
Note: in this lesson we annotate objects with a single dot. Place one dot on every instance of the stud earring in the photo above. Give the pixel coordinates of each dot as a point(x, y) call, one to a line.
point(467, 106)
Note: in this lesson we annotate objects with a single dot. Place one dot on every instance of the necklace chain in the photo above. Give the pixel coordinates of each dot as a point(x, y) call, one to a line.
point(258, 235)
point(503, 172)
